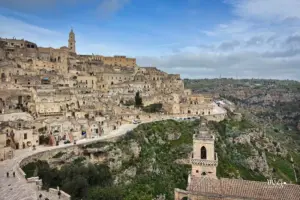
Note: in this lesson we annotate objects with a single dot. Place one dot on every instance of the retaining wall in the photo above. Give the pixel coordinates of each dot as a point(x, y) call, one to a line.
point(41, 156)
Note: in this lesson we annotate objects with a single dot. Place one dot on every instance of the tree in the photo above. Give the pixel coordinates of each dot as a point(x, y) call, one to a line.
point(152, 108)
point(112, 193)
point(138, 100)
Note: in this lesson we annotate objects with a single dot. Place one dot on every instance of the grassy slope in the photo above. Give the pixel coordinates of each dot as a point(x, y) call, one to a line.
point(166, 174)
point(232, 157)
point(160, 156)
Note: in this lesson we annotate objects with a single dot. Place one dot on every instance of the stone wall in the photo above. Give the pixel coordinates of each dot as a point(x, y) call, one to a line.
point(43, 156)
point(16, 116)
point(6, 153)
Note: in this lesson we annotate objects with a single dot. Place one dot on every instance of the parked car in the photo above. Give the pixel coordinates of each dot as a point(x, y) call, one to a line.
point(136, 121)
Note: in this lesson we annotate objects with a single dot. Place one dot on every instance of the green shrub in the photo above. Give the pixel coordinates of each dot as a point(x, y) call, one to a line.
point(152, 108)
point(59, 154)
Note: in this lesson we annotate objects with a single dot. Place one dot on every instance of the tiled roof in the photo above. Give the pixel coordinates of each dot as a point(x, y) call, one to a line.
point(237, 188)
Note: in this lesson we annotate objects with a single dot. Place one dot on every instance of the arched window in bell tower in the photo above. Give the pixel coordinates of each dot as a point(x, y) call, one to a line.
point(203, 152)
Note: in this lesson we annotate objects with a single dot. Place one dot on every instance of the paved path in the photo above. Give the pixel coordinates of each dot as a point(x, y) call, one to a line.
point(17, 188)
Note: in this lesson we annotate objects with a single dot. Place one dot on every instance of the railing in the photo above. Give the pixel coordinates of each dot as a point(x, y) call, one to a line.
point(203, 137)
point(203, 162)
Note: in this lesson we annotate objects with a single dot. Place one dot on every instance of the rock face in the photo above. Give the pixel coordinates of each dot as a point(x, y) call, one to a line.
point(298, 127)
point(115, 159)
point(130, 172)
point(242, 139)
point(173, 136)
point(257, 162)
point(135, 148)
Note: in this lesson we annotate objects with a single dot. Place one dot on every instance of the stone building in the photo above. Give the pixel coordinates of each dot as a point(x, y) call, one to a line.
point(18, 48)
point(72, 42)
point(121, 61)
point(64, 92)
point(203, 184)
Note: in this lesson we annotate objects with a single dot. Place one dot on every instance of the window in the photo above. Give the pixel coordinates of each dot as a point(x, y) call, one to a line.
point(25, 136)
point(197, 171)
point(203, 152)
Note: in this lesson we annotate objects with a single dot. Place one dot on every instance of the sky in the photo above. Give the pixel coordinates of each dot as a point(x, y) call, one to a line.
point(194, 38)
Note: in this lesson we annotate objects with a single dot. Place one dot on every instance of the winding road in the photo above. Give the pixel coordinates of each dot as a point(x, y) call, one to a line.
point(17, 188)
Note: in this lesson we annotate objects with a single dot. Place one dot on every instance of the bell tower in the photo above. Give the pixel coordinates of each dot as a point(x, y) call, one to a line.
point(72, 42)
point(204, 159)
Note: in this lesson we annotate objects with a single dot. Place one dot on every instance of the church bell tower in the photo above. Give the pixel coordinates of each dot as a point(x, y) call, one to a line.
point(72, 42)
point(204, 159)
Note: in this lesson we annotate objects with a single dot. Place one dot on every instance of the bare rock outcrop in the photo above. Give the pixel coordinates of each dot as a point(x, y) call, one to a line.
point(174, 136)
point(135, 148)
point(258, 162)
point(243, 139)
point(115, 157)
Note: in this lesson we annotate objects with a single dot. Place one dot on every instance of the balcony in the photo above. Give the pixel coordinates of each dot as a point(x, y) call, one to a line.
point(203, 137)
point(205, 162)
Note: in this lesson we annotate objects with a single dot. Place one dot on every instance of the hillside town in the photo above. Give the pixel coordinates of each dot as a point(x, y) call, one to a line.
point(55, 102)
point(55, 96)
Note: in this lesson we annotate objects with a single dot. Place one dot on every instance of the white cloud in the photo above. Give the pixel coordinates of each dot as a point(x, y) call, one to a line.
point(11, 27)
point(270, 10)
point(262, 41)
point(257, 43)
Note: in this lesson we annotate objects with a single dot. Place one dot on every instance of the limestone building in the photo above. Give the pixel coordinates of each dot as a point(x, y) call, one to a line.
point(57, 87)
